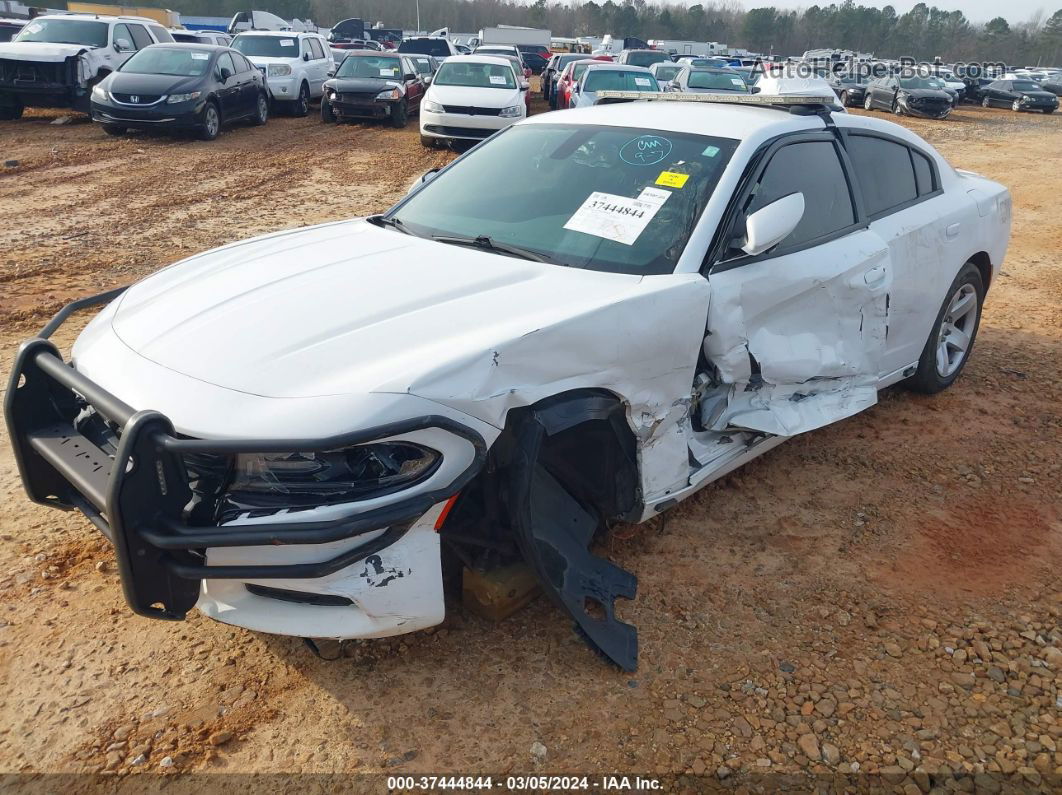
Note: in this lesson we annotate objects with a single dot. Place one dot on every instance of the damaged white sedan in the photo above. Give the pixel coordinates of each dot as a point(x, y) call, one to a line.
point(586, 318)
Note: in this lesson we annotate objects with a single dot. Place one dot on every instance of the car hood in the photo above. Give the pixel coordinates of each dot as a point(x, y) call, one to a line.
point(40, 51)
point(364, 84)
point(129, 83)
point(346, 308)
point(475, 97)
point(1037, 94)
point(926, 93)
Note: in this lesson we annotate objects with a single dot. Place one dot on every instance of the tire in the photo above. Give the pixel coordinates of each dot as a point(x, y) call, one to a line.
point(114, 129)
point(1016, 105)
point(942, 361)
point(12, 109)
point(844, 99)
point(210, 124)
point(261, 113)
point(399, 115)
point(868, 102)
point(985, 102)
point(427, 141)
point(328, 115)
point(301, 107)
point(1048, 111)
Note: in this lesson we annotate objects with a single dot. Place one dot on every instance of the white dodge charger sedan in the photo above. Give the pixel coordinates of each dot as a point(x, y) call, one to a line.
point(586, 318)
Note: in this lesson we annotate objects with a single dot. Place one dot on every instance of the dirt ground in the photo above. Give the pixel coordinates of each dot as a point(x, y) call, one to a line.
point(879, 597)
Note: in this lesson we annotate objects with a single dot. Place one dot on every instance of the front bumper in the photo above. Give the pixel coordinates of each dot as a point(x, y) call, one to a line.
point(137, 499)
point(181, 115)
point(283, 89)
point(369, 109)
point(926, 111)
point(462, 126)
point(44, 84)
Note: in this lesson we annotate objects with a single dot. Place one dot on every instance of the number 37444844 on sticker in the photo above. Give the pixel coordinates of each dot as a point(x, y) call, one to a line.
point(617, 218)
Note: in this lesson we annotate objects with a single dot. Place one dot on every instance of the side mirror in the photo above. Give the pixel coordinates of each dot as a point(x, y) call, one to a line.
point(306, 56)
point(525, 86)
point(122, 45)
point(770, 225)
point(575, 88)
point(225, 74)
point(410, 76)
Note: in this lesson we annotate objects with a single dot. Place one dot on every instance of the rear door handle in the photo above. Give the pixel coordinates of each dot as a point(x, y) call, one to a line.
point(952, 231)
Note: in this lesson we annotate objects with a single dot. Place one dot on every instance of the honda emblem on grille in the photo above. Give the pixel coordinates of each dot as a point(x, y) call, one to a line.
point(134, 98)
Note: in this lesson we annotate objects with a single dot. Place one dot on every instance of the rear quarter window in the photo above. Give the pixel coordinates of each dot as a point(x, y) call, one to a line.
point(885, 172)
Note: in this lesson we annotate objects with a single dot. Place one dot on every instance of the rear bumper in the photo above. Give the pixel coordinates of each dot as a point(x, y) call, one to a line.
point(138, 497)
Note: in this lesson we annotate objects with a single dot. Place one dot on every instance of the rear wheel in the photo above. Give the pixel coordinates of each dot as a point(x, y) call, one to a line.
point(261, 112)
point(210, 124)
point(114, 129)
point(952, 338)
point(867, 102)
point(399, 115)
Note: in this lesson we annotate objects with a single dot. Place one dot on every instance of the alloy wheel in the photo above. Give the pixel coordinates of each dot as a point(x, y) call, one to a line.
point(956, 330)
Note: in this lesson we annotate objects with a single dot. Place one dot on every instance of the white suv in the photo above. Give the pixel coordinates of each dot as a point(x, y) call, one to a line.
point(296, 65)
point(55, 60)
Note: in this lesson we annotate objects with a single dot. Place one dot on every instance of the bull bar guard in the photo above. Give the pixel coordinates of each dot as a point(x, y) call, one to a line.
point(137, 498)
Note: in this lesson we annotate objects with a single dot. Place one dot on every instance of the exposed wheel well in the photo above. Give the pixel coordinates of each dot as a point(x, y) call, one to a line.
point(984, 266)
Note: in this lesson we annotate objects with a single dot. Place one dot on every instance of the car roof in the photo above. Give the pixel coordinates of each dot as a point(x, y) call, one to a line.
point(713, 119)
point(188, 45)
point(605, 66)
point(280, 34)
point(380, 54)
point(497, 60)
point(95, 17)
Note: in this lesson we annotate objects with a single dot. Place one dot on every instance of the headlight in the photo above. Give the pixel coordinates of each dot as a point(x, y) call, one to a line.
point(99, 92)
point(173, 99)
point(512, 110)
point(433, 107)
point(278, 70)
point(274, 481)
point(391, 93)
point(1024, 98)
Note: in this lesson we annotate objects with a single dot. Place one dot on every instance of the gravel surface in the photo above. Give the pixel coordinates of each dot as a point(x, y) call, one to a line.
point(880, 599)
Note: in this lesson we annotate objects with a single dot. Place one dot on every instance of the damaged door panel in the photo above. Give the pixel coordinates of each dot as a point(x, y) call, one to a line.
point(573, 466)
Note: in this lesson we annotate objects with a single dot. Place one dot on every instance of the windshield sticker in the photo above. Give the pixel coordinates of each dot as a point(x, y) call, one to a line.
point(199, 56)
point(498, 80)
point(672, 179)
point(645, 150)
point(34, 27)
point(710, 151)
point(287, 42)
point(617, 218)
point(737, 81)
point(388, 72)
point(642, 81)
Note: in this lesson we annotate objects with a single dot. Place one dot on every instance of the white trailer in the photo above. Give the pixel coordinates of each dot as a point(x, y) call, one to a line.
point(515, 35)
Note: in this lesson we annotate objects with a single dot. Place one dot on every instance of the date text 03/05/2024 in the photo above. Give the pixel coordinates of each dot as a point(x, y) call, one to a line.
point(521, 783)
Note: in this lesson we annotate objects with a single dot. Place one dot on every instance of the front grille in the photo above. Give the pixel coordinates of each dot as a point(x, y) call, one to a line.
point(458, 132)
point(471, 111)
point(29, 74)
point(136, 99)
point(357, 97)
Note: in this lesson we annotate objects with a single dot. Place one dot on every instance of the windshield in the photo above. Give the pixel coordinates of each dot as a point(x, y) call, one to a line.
point(920, 82)
point(475, 75)
point(667, 72)
point(266, 46)
point(85, 32)
point(616, 199)
point(187, 38)
point(421, 64)
point(719, 81)
point(370, 66)
point(165, 61)
point(436, 47)
point(615, 80)
point(646, 58)
point(1026, 85)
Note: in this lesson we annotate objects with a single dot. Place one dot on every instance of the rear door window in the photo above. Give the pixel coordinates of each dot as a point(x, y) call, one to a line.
point(885, 172)
point(140, 36)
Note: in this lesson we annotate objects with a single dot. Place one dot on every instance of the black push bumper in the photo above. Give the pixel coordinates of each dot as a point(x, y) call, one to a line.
point(138, 497)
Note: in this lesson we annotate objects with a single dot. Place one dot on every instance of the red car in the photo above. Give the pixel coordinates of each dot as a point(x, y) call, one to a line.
point(571, 74)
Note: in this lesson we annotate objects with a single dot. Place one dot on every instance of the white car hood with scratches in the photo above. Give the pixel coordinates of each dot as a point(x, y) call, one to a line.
point(40, 51)
point(346, 308)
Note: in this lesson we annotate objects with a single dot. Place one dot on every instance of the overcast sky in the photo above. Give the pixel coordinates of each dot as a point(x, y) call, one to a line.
point(975, 10)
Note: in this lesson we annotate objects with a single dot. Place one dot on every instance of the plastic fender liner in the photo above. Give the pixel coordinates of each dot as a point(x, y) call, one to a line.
point(554, 530)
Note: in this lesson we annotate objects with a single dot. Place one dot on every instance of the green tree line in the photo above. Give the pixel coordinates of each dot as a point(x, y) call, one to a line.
point(924, 32)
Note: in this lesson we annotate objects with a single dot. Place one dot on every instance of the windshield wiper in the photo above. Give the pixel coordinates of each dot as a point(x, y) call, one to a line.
point(394, 223)
point(484, 242)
